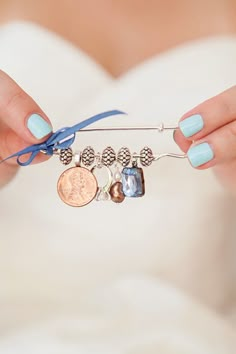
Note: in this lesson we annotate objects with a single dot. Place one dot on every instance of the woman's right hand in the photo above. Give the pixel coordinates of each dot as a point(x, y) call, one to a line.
point(22, 123)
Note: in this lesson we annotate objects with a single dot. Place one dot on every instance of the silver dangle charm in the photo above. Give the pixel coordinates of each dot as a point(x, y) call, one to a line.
point(88, 156)
point(146, 156)
point(66, 156)
point(103, 192)
point(108, 156)
point(124, 156)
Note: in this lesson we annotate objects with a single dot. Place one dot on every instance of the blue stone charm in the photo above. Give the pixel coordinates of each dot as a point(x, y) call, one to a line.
point(133, 182)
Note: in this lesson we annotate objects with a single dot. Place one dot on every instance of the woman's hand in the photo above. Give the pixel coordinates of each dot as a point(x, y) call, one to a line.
point(22, 123)
point(208, 135)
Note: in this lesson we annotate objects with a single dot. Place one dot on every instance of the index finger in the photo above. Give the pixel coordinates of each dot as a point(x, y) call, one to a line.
point(20, 112)
point(210, 115)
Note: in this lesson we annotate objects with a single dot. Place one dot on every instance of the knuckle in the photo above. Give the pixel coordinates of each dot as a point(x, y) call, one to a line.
point(5, 143)
point(227, 102)
point(14, 100)
point(4, 79)
point(11, 95)
point(232, 128)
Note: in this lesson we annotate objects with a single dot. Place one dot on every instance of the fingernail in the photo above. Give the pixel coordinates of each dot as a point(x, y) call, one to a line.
point(174, 134)
point(38, 126)
point(191, 125)
point(200, 154)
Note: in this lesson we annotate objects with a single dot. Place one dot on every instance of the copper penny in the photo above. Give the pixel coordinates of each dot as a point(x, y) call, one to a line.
point(77, 186)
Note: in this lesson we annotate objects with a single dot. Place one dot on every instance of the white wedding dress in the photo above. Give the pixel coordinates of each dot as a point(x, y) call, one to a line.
point(155, 274)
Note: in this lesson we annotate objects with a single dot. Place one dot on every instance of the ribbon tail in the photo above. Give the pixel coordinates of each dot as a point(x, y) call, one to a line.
point(9, 157)
point(33, 150)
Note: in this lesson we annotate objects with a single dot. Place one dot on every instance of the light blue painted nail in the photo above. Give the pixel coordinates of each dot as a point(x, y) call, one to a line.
point(191, 125)
point(200, 154)
point(38, 126)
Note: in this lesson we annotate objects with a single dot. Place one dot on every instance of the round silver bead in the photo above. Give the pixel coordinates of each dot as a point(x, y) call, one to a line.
point(124, 156)
point(146, 156)
point(108, 156)
point(88, 156)
point(66, 156)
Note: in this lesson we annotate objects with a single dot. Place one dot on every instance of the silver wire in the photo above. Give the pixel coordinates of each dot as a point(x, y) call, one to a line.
point(178, 156)
point(160, 128)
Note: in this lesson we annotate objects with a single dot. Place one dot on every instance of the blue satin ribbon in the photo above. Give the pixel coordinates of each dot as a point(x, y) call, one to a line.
point(61, 139)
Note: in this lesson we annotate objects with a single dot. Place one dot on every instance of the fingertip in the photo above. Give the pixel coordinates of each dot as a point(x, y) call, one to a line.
point(191, 125)
point(201, 155)
point(38, 126)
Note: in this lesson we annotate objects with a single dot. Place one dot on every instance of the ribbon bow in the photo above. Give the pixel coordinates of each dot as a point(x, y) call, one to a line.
point(61, 139)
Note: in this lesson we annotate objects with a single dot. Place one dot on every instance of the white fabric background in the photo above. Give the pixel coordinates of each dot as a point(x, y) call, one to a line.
point(152, 275)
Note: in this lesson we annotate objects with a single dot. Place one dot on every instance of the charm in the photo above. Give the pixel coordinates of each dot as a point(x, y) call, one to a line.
point(88, 156)
point(146, 156)
point(124, 156)
point(66, 156)
point(108, 156)
point(116, 190)
point(133, 181)
point(103, 192)
point(77, 186)
point(102, 195)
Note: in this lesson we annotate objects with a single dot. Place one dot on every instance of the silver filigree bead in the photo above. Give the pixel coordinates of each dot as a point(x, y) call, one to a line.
point(124, 156)
point(108, 156)
point(66, 156)
point(88, 156)
point(146, 156)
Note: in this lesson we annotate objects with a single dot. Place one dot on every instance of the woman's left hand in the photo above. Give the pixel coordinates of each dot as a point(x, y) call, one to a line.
point(208, 135)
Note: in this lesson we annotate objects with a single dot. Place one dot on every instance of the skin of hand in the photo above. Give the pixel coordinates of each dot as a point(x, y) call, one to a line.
point(22, 123)
point(208, 135)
